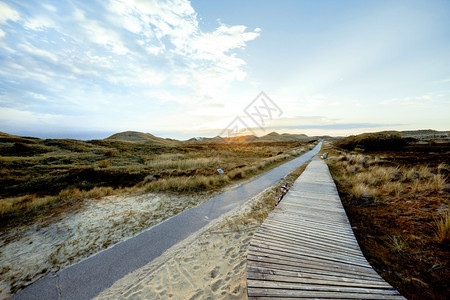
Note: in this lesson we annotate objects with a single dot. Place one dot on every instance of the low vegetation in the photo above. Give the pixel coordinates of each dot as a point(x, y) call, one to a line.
point(397, 201)
point(374, 142)
point(36, 175)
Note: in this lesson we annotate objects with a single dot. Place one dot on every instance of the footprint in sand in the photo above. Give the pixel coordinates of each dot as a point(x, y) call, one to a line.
point(197, 295)
point(247, 240)
point(238, 267)
point(189, 259)
point(228, 252)
point(236, 290)
point(215, 272)
point(216, 285)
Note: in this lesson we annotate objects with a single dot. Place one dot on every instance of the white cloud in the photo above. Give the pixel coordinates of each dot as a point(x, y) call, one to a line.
point(18, 117)
point(125, 61)
point(207, 62)
point(39, 24)
point(2, 33)
point(422, 100)
point(49, 7)
point(7, 13)
point(30, 49)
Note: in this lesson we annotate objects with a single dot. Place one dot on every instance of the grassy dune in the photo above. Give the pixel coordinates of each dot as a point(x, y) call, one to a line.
point(38, 175)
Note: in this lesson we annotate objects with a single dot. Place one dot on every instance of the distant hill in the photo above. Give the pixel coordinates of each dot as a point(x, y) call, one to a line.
point(268, 138)
point(134, 136)
point(285, 137)
point(427, 134)
point(141, 137)
point(9, 138)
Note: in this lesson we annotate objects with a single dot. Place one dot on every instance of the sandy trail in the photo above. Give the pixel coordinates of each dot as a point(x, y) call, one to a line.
point(210, 264)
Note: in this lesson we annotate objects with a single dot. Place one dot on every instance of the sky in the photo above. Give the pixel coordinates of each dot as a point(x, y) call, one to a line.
point(179, 69)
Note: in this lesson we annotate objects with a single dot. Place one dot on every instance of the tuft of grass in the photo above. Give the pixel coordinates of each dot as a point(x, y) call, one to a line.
point(442, 228)
point(360, 190)
point(393, 188)
point(70, 193)
point(397, 243)
point(435, 183)
point(99, 192)
point(15, 205)
point(179, 162)
point(185, 183)
point(103, 163)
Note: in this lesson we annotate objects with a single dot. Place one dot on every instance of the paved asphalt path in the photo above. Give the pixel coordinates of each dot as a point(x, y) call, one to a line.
point(91, 276)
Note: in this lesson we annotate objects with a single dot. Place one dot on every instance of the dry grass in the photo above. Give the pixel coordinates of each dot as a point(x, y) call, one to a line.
point(366, 177)
point(180, 162)
point(185, 183)
point(31, 202)
point(398, 207)
point(397, 243)
point(24, 203)
point(361, 190)
point(442, 228)
point(393, 188)
point(38, 173)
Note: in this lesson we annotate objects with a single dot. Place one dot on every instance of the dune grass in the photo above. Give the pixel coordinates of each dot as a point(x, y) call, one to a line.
point(366, 176)
point(442, 228)
point(37, 174)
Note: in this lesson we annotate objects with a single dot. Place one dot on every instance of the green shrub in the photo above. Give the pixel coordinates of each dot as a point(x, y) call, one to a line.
point(381, 141)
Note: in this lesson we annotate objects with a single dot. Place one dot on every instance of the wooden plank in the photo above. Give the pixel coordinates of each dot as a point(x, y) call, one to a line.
point(307, 253)
point(306, 248)
point(308, 285)
point(326, 226)
point(311, 235)
point(307, 236)
point(271, 293)
point(321, 276)
point(315, 247)
point(310, 224)
point(311, 269)
point(258, 254)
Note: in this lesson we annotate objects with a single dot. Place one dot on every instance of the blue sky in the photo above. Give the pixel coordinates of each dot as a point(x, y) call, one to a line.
point(87, 69)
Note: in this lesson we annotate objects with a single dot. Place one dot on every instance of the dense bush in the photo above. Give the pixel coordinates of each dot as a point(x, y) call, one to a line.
point(381, 141)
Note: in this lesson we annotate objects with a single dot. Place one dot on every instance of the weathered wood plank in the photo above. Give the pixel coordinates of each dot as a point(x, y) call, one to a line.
point(285, 275)
point(251, 283)
point(309, 247)
point(306, 248)
point(307, 253)
point(270, 293)
point(257, 276)
point(261, 254)
point(310, 269)
point(309, 237)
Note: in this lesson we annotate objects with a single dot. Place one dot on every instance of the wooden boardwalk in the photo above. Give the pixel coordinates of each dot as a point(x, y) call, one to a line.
point(306, 248)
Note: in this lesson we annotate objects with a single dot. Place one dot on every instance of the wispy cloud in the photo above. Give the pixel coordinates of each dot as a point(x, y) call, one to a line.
point(422, 100)
point(7, 13)
point(82, 55)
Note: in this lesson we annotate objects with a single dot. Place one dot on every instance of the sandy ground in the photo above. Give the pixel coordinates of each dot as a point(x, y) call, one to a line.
point(28, 253)
point(210, 264)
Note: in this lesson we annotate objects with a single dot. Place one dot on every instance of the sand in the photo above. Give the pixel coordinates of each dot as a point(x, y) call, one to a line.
point(28, 253)
point(210, 264)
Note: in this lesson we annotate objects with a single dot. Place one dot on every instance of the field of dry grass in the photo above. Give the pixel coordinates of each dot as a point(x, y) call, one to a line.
point(38, 175)
point(398, 202)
